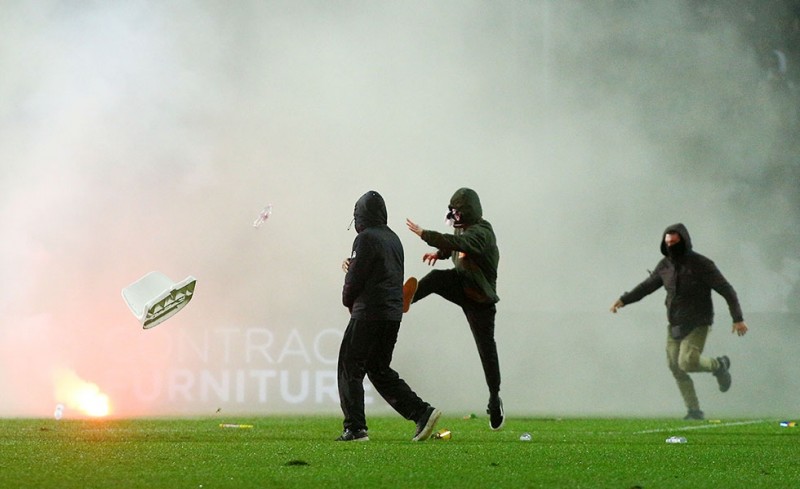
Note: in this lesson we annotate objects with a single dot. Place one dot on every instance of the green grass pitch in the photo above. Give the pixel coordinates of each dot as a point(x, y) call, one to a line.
point(299, 452)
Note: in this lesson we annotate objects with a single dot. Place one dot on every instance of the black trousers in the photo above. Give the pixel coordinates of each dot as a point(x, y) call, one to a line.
point(479, 316)
point(367, 348)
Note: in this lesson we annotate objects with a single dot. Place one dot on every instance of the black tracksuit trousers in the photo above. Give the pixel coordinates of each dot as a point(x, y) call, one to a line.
point(367, 349)
point(479, 316)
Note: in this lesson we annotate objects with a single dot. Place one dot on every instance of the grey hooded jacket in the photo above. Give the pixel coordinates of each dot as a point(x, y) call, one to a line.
point(688, 278)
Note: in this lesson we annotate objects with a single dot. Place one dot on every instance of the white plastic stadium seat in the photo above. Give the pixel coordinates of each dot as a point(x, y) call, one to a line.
point(155, 298)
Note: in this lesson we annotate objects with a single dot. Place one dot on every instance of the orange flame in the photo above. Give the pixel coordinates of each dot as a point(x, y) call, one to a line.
point(79, 394)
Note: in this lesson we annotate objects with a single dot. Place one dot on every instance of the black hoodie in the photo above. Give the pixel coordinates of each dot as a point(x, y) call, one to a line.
point(373, 285)
point(688, 278)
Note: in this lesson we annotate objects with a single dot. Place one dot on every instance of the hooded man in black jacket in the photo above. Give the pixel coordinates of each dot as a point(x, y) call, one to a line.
point(373, 292)
point(471, 284)
point(689, 278)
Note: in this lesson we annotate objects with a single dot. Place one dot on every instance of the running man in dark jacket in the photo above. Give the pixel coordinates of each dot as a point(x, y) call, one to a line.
point(471, 284)
point(373, 292)
point(689, 278)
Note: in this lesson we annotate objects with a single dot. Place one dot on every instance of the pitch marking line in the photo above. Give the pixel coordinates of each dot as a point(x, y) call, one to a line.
point(702, 427)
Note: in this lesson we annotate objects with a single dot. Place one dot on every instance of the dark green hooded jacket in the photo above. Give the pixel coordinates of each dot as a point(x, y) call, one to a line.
point(473, 248)
point(688, 278)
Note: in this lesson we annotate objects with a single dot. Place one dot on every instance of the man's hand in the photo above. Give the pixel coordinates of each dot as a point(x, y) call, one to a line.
point(429, 258)
point(414, 227)
point(346, 265)
point(617, 305)
point(739, 328)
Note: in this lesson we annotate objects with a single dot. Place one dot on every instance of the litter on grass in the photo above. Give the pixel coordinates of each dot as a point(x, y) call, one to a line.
point(443, 434)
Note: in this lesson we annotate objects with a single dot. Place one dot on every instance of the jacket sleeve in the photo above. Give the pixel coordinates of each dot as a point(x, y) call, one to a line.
point(443, 254)
point(472, 241)
point(647, 287)
point(714, 278)
point(357, 272)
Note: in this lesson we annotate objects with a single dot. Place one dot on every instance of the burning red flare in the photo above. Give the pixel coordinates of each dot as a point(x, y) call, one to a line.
point(80, 395)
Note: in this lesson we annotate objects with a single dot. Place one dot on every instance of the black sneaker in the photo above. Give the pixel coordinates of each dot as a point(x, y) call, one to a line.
point(426, 424)
point(722, 373)
point(409, 289)
point(357, 435)
point(497, 417)
point(694, 414)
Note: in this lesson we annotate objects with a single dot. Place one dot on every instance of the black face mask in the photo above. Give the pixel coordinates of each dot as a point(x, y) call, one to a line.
point(676, 250)
point(453, 217)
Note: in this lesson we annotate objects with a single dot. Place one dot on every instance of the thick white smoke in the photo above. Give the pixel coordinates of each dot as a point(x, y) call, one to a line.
point(148, 136)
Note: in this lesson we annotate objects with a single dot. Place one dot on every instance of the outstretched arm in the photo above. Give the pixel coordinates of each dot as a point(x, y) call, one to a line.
point(414, 227)
point(429, 258)
point(647, 287)
point(720, 284)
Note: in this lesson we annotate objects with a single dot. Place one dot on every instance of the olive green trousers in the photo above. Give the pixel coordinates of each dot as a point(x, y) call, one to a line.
point(685, 356)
